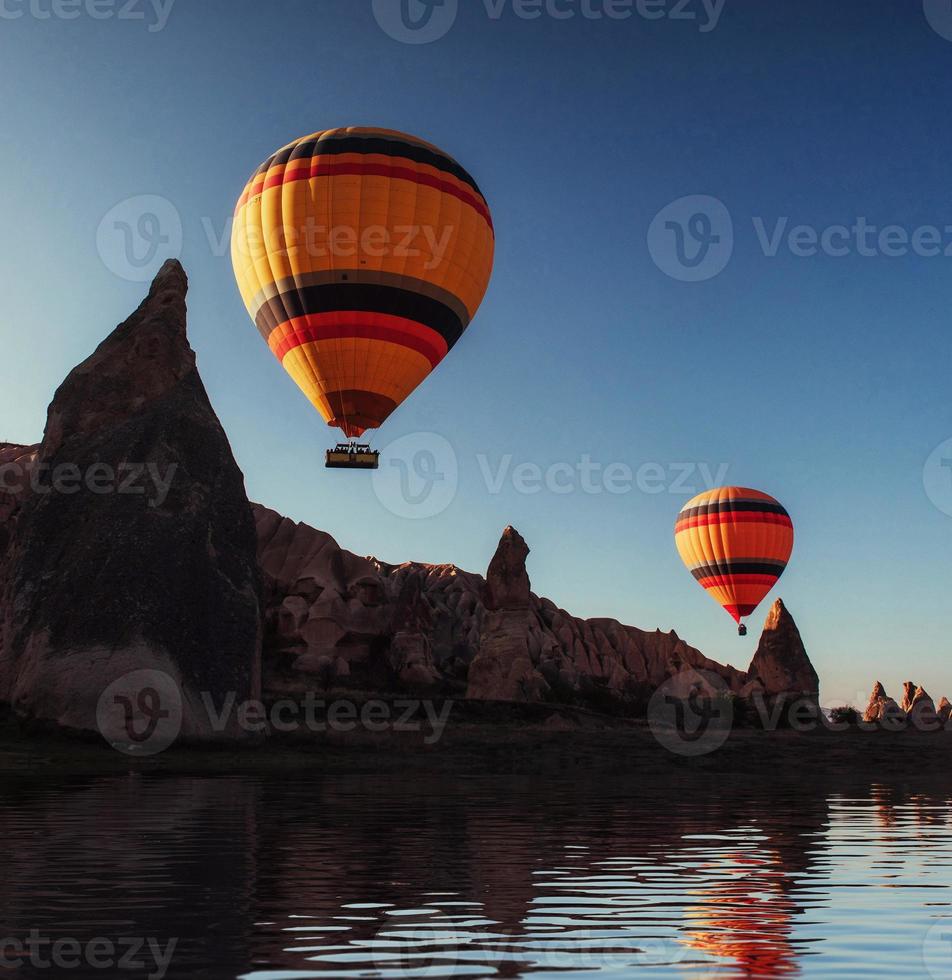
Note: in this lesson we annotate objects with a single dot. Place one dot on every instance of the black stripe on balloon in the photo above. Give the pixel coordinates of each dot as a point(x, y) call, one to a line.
point(328, 146)
point(734, 507)
point(738, 568)
point(370, 298)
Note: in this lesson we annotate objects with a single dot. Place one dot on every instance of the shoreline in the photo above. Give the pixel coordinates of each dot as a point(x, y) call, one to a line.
point(536, 740)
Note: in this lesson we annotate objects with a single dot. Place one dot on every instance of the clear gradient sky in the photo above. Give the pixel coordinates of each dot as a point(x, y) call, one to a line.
point(823, 379)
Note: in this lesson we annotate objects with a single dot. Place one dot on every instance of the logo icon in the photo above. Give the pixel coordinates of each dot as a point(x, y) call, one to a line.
point(416, 21)
point(138, 235)
point(418, 476)
point(692, 239)
point(937, 951)
point(937, 477)
point(691, 713)
point(424, 948)
point(141, 713)
point(939, 15)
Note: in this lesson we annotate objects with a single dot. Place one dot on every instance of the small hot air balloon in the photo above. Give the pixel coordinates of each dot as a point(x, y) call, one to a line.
point(362, 255)
point(736, 543)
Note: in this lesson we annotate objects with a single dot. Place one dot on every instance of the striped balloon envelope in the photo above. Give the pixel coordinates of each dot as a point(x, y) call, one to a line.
point(361, 255)
point(736, 543)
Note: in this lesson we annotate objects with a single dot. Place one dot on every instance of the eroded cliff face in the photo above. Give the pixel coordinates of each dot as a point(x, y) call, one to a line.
point(781, 665)
point(170, 574)
point(128, 540)
point(338, 620)
point(916, 708)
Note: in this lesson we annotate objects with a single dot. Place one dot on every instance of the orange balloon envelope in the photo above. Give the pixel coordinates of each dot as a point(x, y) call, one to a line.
point(361, 255)
point(736, 543)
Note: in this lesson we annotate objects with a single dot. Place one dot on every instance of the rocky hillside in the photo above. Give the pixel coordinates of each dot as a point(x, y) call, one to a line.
point(339, 620)
point(178, 572)
point(129, 543)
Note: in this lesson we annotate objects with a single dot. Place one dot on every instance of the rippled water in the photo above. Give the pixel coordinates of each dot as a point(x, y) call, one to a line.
point(343, 878)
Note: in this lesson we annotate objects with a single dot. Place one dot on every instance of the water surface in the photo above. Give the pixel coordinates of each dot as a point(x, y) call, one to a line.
point(300, 876)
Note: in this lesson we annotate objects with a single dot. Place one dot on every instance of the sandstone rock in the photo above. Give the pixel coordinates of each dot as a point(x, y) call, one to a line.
point(141, 581)
point(410, 655)
point(908, 695)
point(329, 610)
point(944, 710)
point(877, 699)
point(781, 663)
point(138, 550)
point(502, 669)
point(922, 711)
point(882, 710)
point(507, 581)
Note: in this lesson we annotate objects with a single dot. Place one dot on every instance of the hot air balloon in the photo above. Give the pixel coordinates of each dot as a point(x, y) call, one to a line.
point(362, 255)
point(736, 543)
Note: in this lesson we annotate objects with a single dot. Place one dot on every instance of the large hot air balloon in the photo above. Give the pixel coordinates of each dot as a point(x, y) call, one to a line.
point(737, 543)
point(361, 255)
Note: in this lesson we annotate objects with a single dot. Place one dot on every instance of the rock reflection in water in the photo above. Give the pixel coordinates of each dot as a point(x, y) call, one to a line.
point(348, 877)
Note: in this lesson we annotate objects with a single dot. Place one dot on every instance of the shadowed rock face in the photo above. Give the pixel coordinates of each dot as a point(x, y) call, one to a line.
point(503, 669)
point(171, 575)
point(138, 549)
point(340, 620)
point(781, 665)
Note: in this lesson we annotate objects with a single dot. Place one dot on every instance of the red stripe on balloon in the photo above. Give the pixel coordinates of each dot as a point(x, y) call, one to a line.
point(309, 169)
point(734, 517)
point(357, 324)
point(728, 581)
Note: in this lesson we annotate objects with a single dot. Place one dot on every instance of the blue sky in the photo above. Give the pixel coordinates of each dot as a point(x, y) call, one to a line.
point(821, 378)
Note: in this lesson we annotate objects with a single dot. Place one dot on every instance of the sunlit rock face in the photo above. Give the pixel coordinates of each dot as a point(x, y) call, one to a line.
point(133, 547)
point(182, 575)
point(781, 665)
point(916, 708)
point(338, 620)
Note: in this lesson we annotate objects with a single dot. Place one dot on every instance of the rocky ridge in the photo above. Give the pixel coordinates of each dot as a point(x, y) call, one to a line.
point(190, 579)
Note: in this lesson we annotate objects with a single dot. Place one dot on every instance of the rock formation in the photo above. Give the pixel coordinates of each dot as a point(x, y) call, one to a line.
point(781, 665)
point(171, 575)
point(337, 620)
point(503, 669)
point(877, 703)
point(328, 612)
point(908, 695)
point(922, 711)
point(134, 547)
point(944, 710)
point(916, 708)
